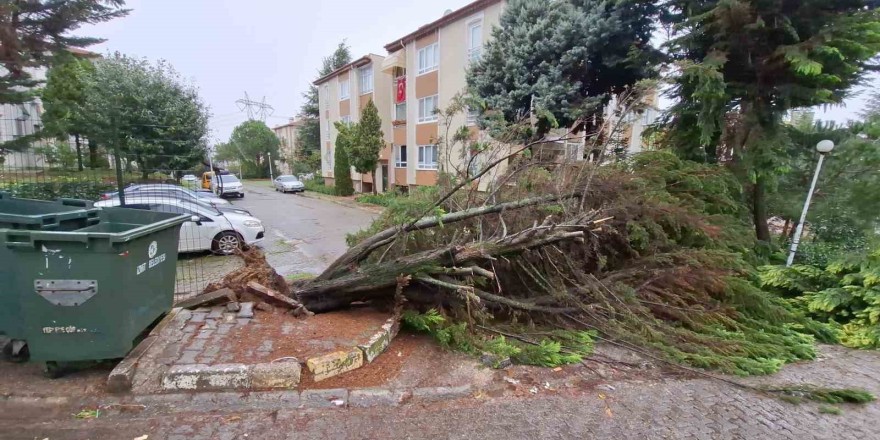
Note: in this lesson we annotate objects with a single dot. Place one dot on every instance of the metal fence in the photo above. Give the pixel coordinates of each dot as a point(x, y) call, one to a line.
point(49, 169)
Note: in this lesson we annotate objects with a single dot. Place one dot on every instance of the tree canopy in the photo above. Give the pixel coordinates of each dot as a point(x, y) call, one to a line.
point(742, 64)
point(566, 60)
point(63, 99)
point(34, 32)
point(156, 119)
point(341, 165)
point(367, 142)
point(251, 142)
point(309, 134)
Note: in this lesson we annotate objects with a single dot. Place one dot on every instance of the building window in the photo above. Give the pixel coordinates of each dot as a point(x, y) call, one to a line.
point(429, 58)
point(427, 157)
point(365, 76)
point(428, 109)
point(475, 40)
point(343, 89)
point(346, 119)
point(400, 156)
point(400, 112)
point(472, 115)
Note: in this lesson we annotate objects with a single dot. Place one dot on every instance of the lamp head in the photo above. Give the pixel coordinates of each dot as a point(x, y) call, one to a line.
point(825, 146)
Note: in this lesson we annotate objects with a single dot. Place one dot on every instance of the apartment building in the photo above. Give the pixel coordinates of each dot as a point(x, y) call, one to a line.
point(425, 70)
point(287, 136)
point(343, 93)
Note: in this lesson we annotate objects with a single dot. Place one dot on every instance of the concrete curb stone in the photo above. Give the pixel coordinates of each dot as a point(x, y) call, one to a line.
point(333, 398)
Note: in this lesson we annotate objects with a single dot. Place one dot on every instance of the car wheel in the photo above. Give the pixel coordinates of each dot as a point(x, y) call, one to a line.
point(241, 196)
point(226, 243)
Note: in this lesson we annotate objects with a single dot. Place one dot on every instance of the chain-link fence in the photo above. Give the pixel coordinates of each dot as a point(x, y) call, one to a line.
point(49, 169)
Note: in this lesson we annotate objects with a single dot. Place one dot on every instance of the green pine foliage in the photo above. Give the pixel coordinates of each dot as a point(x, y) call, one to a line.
point(555, 348)
point(309, 133)
point(845, 294)
point(564, 61)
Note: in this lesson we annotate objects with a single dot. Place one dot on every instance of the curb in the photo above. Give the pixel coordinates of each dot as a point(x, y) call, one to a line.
point(350, 204)
point(122, 376)
point(268, 376)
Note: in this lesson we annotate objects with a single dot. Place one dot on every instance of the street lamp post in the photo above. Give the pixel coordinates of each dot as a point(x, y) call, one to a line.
point(270, 165)
point(823, 147)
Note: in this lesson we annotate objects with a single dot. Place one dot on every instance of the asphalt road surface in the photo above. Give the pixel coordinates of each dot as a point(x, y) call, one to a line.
point(303, 234)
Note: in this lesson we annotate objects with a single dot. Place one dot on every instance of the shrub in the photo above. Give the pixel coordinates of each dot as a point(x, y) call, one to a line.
point(317, 185)
point(60, 188)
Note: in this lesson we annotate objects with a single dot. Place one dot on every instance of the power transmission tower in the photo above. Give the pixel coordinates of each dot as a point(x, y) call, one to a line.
point(255, 108)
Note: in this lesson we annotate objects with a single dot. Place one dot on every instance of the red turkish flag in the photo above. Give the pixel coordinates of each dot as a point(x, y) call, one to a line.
point(401, 89)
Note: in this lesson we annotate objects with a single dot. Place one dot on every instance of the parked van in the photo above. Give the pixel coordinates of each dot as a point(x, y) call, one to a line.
point(206, 179)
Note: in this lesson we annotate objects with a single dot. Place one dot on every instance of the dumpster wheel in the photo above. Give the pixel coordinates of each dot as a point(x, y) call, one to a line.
point(52, 370)
point(22, 355)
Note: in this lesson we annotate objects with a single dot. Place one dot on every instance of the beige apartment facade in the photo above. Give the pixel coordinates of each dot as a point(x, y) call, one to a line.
point(342, 95)
point(426, 71)
point(287, 136)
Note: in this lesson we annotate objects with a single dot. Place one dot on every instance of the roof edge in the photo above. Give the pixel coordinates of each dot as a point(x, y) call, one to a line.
point(457, 14)
point(356, 63)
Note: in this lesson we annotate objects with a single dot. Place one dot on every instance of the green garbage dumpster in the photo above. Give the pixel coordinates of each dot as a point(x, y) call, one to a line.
point(87, 294)
point(15, 213)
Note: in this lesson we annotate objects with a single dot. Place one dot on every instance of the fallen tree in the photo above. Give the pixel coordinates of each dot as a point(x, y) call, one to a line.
point(651, 252)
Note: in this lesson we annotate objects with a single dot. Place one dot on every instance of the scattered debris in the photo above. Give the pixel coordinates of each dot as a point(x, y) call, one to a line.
point(246, 310)
point(213, 297)
point(511, 380)
point(605, 387)
point(276, 299)
point(495, 361)
point(255, 268)
point(88, 414)
point(233, 307)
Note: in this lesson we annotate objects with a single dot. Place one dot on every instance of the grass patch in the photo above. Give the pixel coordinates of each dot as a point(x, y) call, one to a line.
point(799, 394)
point(828, 409)
point(318, 186)
point(299, 276)
point(384, 199)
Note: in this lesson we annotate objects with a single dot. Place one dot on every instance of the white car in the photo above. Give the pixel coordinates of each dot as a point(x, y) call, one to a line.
point(190, 178)
point(288, 183)
point(208, 229)
point(226, 185)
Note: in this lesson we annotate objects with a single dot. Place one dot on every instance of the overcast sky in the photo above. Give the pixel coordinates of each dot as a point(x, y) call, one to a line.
point(268, 48)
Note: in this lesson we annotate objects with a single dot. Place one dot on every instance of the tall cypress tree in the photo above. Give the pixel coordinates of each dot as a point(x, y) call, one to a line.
point(368, 142)
point(341, 164)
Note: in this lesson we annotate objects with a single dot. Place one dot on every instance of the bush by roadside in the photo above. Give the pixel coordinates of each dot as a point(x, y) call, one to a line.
point(60, 188)
point(318, 186)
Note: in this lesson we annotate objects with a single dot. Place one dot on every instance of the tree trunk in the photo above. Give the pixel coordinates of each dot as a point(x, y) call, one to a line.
point(759, 208)
point(79, 155)
point(373, 174)
point(93, 154)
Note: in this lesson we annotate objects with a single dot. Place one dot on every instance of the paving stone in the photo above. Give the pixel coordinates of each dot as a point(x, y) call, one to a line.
point(188, 357)
point(288, 398)
point(247, 310)
point(190, 328)
point(202, 310)
point(198, 317)
point(243, 321)
point(368, 397)
point(197, 345)
point(276, 375)
point(265, 346)
point(216, 312)
point(333, 398)
point(287, 328)
point(338, 362)
point(229, 317)
point(212, 351)
point(210, 324)
point(442, 393)
point(224, 329)
point(233, 307)
point(376, 345)
point(204, 334)
point(206, 377)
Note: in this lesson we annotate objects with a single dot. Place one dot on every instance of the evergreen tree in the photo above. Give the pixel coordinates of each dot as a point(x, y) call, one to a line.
point(744, 63)
point(62, 98)
point(566, 60)
point(341, 165)
point(367, 143)
point(34, 32)
point(309, 133)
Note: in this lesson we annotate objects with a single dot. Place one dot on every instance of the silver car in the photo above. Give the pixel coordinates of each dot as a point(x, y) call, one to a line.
point(208, 228)
point(288, 183)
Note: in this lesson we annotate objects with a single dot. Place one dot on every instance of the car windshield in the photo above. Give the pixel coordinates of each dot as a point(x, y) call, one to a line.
point(228, 178)
point(287, 178)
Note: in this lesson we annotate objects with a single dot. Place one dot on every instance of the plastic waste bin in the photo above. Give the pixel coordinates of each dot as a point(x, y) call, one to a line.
point(87, 294)
point(15, 213)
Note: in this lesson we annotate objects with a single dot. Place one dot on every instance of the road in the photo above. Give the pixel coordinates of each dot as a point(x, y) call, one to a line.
point(669, 408)
point(303, 234)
